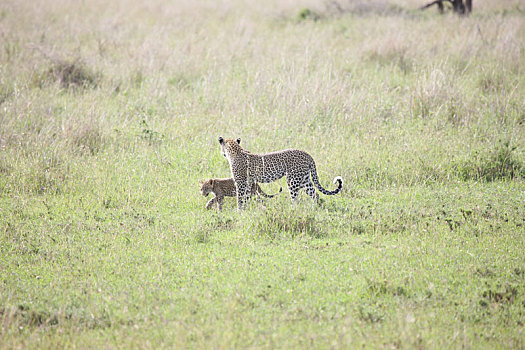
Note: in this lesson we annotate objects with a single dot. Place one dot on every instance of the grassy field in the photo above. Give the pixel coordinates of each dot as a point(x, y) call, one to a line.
point(110, 113)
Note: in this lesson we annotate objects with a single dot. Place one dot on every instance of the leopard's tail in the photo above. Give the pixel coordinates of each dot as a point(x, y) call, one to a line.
point(260, 191)
point(338, 180)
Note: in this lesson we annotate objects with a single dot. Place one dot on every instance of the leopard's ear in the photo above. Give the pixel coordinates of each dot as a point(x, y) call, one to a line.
point(221, 140)
point(212, 182)
point(201, 182)
point(239, 140)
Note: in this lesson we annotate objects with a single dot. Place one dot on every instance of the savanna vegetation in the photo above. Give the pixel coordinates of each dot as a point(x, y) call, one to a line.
point(110, 113)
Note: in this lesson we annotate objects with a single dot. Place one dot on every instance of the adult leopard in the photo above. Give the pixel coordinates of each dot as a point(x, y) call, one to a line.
point(298, 166)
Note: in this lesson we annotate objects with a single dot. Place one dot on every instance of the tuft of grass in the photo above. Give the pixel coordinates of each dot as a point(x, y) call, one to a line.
point(26, 316)
point(370, 313)
point(6, 91)
point(501, 294)
point(46, 175)
point(500, 163)
point(183, 80)
point(283, 219)
point(207, 227)
point(149, 134)
point(86, 137)
point(308, 14)
point(391, 55)
point(73, 74)
point(69, 73)
point(491, 81)
point(364, 7)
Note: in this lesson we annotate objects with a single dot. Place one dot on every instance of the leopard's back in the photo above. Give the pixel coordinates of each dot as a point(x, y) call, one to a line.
point(269, 167)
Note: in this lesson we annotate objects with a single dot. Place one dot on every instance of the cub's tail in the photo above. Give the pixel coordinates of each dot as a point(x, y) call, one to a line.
point(260, 191)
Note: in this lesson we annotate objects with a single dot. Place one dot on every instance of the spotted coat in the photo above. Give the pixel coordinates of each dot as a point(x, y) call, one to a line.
point(298, 167)
point(226, 188)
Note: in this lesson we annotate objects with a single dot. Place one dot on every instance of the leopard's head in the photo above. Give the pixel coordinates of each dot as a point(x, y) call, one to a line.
point(206, 187)
point(229, 147)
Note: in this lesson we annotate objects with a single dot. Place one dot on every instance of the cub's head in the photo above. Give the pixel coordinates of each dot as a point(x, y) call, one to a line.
point(206, 187)
point(229, 147)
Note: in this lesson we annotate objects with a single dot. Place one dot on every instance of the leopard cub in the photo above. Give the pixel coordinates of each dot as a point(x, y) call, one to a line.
point(226, 188)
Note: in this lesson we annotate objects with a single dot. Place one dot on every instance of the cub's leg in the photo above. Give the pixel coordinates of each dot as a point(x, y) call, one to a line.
point(220, 201)
point(211, 202)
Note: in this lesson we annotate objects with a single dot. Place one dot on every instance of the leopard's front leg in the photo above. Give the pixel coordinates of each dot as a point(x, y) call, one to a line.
point(242, 194)
point(240, 176)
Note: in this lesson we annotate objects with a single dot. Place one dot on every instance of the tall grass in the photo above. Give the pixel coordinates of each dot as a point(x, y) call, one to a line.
point(110, 114)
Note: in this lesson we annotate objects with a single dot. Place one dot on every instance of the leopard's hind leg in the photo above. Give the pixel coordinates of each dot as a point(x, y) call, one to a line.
point(310, 190)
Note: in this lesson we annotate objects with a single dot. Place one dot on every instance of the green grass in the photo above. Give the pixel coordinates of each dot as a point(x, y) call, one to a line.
point(110, 114)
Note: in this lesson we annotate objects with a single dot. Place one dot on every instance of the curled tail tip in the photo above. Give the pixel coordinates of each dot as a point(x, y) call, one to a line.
point(338, 180)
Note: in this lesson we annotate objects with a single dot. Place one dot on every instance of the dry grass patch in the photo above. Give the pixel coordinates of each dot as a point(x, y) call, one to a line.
point(70, 73)
point(85, 137)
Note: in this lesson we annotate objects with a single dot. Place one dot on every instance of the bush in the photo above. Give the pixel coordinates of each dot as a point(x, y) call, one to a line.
point(69, 73)
point(306, 14)
point(498, 163)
